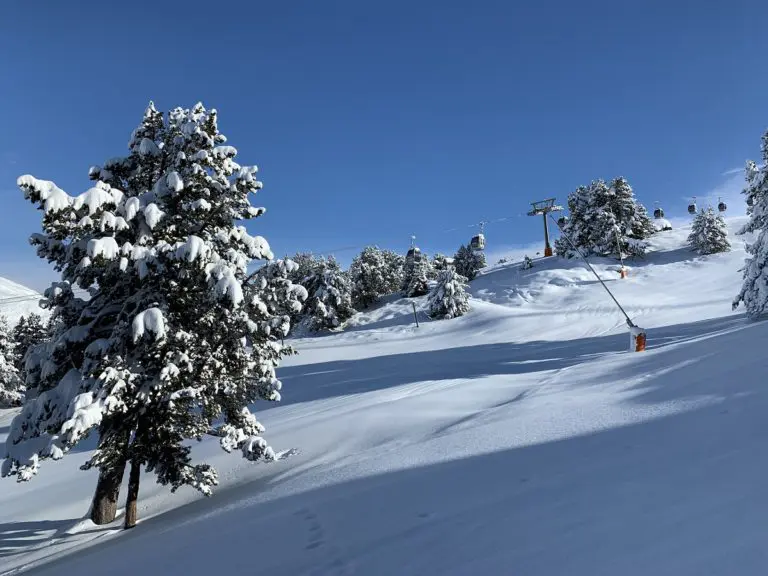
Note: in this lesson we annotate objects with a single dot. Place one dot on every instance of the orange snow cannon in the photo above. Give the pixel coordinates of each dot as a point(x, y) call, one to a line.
point(637, 339)
point(623, 273)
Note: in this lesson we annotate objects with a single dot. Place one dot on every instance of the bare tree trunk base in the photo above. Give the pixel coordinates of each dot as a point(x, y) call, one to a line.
point(131, 512)
point(104, 505)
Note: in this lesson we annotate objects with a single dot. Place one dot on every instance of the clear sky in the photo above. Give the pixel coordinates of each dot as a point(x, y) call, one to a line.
point(374, 120)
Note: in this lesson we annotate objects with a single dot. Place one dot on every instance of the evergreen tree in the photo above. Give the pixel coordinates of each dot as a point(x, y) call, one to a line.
point(468, 263)
point(276, 297)
point(755, 191)
point(395, 264)
point(754, 290)
point(441, 262)
point(306, 262)
point(709, 234)
point(416, 275)
point(605, 220)
point(11, 393)
point(329, 304)
point(448, 298)
point(372, 276)
point(577, 227)
point(631, 216)
point(28, 332)
point(174, 341)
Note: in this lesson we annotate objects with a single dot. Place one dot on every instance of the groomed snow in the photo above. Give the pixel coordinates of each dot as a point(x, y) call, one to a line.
point(521, 438)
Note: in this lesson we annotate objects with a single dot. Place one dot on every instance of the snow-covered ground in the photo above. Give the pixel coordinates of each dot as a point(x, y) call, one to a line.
point(522, 438)
point(17, 300)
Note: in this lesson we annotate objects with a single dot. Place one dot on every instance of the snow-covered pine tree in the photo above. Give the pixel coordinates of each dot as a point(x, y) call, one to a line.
point(468, 262)
point(448, 298)
point(173, 342)
point(577, 226)
point(755, 191)
point(630, 214)
point(608, 238)
point(305, 262)
point(395, 264)
point(754, 290)
point(709, 234)
point(441, 262)
point(605, 220)
point(16, 336)
point(372, 276)
point(28, 332)
point(329, 303)
point(11, 390)
point(277, 298)
point(416, 275)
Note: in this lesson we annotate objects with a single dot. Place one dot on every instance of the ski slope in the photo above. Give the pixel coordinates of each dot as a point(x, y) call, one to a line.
point(17, 301)
point(520, 439)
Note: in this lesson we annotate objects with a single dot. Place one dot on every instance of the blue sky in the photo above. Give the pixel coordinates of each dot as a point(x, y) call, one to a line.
point(374, 120)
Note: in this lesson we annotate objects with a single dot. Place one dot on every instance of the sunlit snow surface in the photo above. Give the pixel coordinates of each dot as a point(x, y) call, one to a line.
point(522, 438)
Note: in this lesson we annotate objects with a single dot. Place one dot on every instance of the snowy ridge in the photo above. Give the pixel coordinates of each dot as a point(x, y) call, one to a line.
point(17, 300)
point(520, 438)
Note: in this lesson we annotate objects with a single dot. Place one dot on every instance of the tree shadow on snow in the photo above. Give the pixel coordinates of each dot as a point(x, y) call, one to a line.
point(342, 377)
point(18, 537)
point(317, 381)
point(682, 494)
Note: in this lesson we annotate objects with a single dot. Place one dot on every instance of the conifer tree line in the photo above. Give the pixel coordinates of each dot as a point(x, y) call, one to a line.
point(334, 295)
point(186, 317)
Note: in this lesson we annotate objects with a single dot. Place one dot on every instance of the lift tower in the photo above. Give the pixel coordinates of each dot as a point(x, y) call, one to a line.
point(544, 207)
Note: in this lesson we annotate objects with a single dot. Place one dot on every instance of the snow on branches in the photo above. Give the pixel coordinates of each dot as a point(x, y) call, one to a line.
point(754, 290)
point(709, 234)
point(329, 302)
point(417, 271)
point(468, 262)
point(175, 337)
point(448, 298)
point(11, 388)
point(375, 273)
point(605, 220)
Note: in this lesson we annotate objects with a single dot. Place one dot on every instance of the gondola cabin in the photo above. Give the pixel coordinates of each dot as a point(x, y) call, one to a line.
point(721, 206)
point(477, 242)
point(692, 207)
point(562, 221)
point(658, 213)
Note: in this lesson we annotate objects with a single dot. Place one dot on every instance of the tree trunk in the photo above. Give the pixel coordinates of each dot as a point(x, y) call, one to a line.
point(104, 506)
point(133, 495)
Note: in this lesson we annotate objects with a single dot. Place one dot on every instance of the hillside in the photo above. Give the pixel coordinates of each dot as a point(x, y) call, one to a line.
point(520, 439)
point(17, 300)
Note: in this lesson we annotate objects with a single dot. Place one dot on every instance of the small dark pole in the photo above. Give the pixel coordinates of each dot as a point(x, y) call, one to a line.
point(414, 314)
